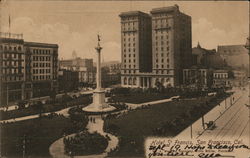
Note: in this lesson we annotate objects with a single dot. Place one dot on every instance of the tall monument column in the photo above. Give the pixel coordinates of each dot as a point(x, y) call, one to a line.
point(98, 67)
point(99, 104)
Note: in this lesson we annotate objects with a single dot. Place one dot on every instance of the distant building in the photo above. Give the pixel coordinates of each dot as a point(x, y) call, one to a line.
point(28, 69)
point(68, 80)
point(198, 77)
point(155, 48)
point(207, 58)
point(84, 67)
point(222, 79)
point(235, 56)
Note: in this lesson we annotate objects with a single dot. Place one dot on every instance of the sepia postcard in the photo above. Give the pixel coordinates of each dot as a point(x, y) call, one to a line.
point(124, 79)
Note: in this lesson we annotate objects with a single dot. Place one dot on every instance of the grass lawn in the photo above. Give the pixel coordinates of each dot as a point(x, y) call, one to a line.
point(83, 100)
point(138, 98)
point(135, 126)
point(40, 134)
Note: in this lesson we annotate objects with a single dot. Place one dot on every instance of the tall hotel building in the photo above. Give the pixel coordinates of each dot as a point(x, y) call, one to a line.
point(166, 48)
point(136, 46)
point(27, 69)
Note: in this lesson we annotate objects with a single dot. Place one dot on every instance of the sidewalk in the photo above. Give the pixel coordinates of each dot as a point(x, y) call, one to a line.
point(212, 115)
point(134, 106)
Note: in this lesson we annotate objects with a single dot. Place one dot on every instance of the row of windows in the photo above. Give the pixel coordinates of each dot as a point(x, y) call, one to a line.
point(220, 75)
point(162, 66)
point(11, 48)
point(129, 50)
point(12, 78)
point(162, 37)
point(41, 64)
point(12, 55)
point(162, 60)
point(129, 81)
point(41, 71)
point(129, 55)
point(13, 71)
point(162, 71)
point(42, 51)
point(41, 58)
point(162, 49)
point(129, 33)
point(129, 60)
point(162, 43)
point(162, 55)
point(160, 21)
point(43, 77)
point(129, 71)
point(161, 31)
point(129, 44)
point(11, 63)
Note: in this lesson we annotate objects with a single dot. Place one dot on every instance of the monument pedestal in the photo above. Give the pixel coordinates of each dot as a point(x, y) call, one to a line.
point(99, 104)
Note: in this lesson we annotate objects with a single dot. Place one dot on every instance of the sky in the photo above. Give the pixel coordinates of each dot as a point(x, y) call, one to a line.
point(74, 25)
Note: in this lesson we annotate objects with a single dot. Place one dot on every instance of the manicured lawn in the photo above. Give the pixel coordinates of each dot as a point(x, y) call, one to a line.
point(135, 126)
point(83, 100)
point(40, 134)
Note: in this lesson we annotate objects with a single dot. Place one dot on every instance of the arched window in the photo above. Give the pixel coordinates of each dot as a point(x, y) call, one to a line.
point(125, 80)
point(19, 48)
point(130, 81)
point(134, 81)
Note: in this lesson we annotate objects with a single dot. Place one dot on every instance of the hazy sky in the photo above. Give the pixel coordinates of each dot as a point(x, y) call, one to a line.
point(74, 24)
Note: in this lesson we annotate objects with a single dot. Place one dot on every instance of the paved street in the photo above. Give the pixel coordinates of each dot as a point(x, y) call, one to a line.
point(233, 124)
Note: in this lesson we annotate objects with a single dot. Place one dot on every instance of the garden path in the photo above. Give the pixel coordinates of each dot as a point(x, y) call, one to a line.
point(57, 148)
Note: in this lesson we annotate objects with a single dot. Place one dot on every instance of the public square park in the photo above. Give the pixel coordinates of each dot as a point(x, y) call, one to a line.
point(129, 123)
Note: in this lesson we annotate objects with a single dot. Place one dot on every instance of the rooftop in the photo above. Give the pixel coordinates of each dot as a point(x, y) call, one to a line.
point(36, 44)
point(165, 9)
point(133, 13)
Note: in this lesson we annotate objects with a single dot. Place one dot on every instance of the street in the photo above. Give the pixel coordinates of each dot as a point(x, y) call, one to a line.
point(233, 124)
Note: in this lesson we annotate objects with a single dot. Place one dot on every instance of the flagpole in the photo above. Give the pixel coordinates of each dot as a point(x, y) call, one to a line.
point(9, 26)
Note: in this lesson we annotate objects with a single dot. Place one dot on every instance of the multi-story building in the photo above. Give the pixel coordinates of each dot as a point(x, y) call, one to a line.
point(171, 43)
point(222, 79)
point(135, 46)
point(161, 45)
point(41, 68)
point(28, 69)
point(84, 67)
point(198, 77)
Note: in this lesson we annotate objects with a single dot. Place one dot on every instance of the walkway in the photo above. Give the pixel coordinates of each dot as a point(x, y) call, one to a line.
point(134, 106)
point(60, 112)
point(57, 148)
